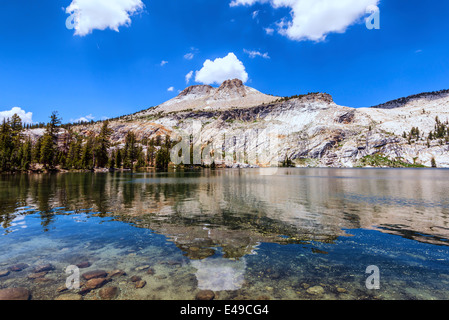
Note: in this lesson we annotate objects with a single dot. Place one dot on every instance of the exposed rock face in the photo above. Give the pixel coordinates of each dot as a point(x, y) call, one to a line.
point(231, 89)
point(199, 90)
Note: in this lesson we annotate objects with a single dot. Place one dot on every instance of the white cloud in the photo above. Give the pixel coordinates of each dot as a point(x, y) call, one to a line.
point(315, 19)
point(235, 3)
point(189, 76)
point(221, 69)
point(255, 14)
point(189, 56)
point(252, 54)
point(163, 63)
point(269, 31)
point(92, 15)
point(171, 89)
point(27, 117)
point(87, 118)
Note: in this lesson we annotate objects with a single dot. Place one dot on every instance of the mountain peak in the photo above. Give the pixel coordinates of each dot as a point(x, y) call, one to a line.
point(232, 89)
point(230, 94)
point(230, 84)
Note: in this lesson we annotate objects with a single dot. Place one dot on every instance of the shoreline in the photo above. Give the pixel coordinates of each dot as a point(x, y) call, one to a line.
point(106, 170)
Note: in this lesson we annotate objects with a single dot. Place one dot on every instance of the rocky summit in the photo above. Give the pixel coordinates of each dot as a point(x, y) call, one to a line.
point(231, 93)
point(238, 126)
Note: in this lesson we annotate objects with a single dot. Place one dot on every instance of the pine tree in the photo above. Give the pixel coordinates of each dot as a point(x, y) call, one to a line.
point(433, 163)
point(6, 146)
point(130, 150)
point(36, 151)
point(26, 156)
point(140, 159)
point(118, 158)
point(163, 155)
point(87, 156)
point(111, 161)
point(47, 152)
point(16, 125)
point(151, 151)
point(49, 147)
point(53, 125)
point(102, 146)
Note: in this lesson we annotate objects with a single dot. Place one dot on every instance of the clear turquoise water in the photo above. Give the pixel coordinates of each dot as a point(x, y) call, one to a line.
point(243, 234)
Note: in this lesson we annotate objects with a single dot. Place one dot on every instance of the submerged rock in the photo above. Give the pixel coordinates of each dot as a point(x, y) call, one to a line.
point(140, 284)
point(95, 283)
point(92, 284)
point(95, 274)
point(108, 293)
point(18, 267)
point(142, 268)
point(205, 295)
point(84, 264)
point(135, 278)
point(316, 290)
point(15, 294)
point(37, 275)
point(116, 273)
point(150, 271)
point(4, 273)
point(44, 268)
point(69, 296)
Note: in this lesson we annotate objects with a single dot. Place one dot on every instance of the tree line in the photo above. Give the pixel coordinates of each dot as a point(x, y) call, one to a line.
point(440, 133)
point(72, 151)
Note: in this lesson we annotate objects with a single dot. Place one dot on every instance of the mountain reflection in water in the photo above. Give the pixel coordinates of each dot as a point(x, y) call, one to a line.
point(218, 219)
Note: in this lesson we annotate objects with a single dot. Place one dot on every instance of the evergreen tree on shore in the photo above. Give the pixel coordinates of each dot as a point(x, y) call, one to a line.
point(69, 150)
point(102, 145)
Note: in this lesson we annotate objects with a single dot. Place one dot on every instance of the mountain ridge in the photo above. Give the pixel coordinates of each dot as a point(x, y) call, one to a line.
point(397, 103)
point(312, 130)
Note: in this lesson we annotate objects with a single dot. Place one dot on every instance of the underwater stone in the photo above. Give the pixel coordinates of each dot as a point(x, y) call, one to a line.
point(18, 267)
point(115, 273)
point(109, 293)
point(95, 274)
point(316, 290)
point(44, 268)
point(69, 296)
point(135, 278)
point(205, 295)
point(14, 294)
point(140, 284)
point(84, 264)
point(37, 275)
point(4, 273)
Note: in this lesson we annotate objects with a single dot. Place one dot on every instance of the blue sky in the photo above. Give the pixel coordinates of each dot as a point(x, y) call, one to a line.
point(44, 66)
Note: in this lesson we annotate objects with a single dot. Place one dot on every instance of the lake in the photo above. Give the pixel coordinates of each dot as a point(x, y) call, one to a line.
point(281, 234)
